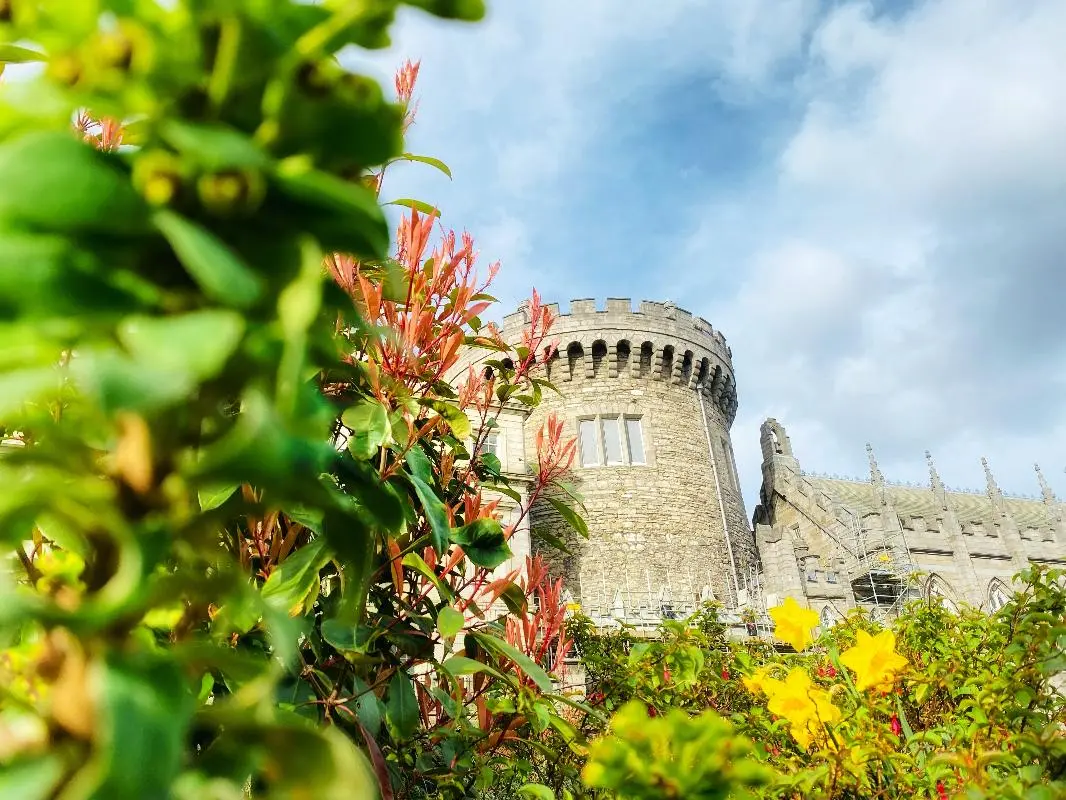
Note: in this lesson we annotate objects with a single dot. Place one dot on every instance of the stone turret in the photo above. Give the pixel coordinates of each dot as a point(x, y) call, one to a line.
point(651, 395)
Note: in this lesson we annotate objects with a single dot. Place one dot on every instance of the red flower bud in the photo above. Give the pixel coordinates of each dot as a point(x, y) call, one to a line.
point(652, 712)
point(896, 727)
point(941, 792)
point(831, 671)
point(666, 674)
point(725, 674)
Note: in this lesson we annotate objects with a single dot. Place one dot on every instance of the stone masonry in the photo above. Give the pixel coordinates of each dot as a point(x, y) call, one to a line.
point(839, 543)
point(666, 519)
point(671, 530)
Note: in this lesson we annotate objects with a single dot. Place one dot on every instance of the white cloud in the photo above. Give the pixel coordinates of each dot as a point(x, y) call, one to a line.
point(897, 278)
point(930, 178)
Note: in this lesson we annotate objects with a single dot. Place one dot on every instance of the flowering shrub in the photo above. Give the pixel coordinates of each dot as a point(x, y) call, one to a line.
point(253, 531)
point(939, 705)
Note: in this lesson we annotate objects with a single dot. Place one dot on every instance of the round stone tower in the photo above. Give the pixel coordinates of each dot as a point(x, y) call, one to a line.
point(651, 396)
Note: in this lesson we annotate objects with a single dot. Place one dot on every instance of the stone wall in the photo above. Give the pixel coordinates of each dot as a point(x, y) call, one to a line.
point(962, 546)
point(657, 530)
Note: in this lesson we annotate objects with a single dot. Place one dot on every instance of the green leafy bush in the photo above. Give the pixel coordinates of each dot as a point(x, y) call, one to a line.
point(939, 705)
point(251, 522)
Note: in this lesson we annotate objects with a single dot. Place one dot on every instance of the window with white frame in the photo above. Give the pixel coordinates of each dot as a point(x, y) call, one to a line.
point(611, 440)
point(634, 440)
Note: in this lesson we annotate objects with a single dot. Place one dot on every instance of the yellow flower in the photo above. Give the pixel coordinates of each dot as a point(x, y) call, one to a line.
point(793, 623)
point(755, 683)
point(874, 660)
point(807, 709)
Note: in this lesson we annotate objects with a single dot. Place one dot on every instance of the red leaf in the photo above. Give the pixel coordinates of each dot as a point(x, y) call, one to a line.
point(378, 760)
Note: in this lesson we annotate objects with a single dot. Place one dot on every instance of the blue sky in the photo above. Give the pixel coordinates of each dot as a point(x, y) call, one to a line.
point(868, 199)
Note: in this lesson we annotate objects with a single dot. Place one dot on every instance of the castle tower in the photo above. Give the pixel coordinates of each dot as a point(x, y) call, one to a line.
point(651, 396)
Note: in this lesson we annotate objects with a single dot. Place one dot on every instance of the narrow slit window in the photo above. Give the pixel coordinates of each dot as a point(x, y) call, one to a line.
point(590, 455)
point(635, 440)
point(729, 465)
point(612, 440)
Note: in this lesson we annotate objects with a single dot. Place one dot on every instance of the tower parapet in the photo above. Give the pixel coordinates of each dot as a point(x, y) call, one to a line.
point(658, 341)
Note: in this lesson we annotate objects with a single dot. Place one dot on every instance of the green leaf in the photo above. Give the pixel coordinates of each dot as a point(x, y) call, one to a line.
point(514, 599)
point(342, 215)
point(506, 491)
point(300, 302)
point(421, 473)
point(367, 707)
point(524, 662)
point(341, 635)
point(417, 205)
point(401, 707)
point(198, 344)
point(491, 462)
point(544, 535)
point(213, 496)
point(369, 423)
point(214, 147)
point(31, 779)
point(54, 182)
point(145, 710)
point(461, 665)
point(293, 585)
point(536, 791)
point(300, 760)
point(122, 383)
point(638, 652)
point(261, 450)
point(67, 280)
point(572, 491)
point(13, 54)
point(433, 162)
point(457, 420)
point(25, 385)
point(573, 519)
point(449, 622)
point(218, 271)
point(467, 10)
point(416, 562)
point(483, 542)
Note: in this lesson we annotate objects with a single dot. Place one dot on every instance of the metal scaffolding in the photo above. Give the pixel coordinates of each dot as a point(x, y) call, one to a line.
point(879, 566)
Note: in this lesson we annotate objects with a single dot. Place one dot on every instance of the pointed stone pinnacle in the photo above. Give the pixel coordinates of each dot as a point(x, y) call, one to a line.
point(875, 471)
point(934, 476)
point(1045, 489)
point(993, 488)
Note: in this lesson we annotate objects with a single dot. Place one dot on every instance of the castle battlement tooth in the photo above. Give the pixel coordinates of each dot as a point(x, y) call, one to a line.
point(620, 312)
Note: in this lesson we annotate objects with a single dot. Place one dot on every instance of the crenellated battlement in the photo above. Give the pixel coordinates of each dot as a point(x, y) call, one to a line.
point(618, 312)
point(657, 341)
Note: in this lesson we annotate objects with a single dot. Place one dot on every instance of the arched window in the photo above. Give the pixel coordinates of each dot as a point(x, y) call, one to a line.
point(622, 353)
point(575, 355)
point(686, 367)
point(704, 372)
point(647, 356)
point(828, 618)
point(937, 590)
point(668, 362)
point(998, 595)
point(599, 355)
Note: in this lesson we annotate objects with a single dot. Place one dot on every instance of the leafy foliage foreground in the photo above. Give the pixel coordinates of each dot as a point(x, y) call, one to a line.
point(256, 535)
